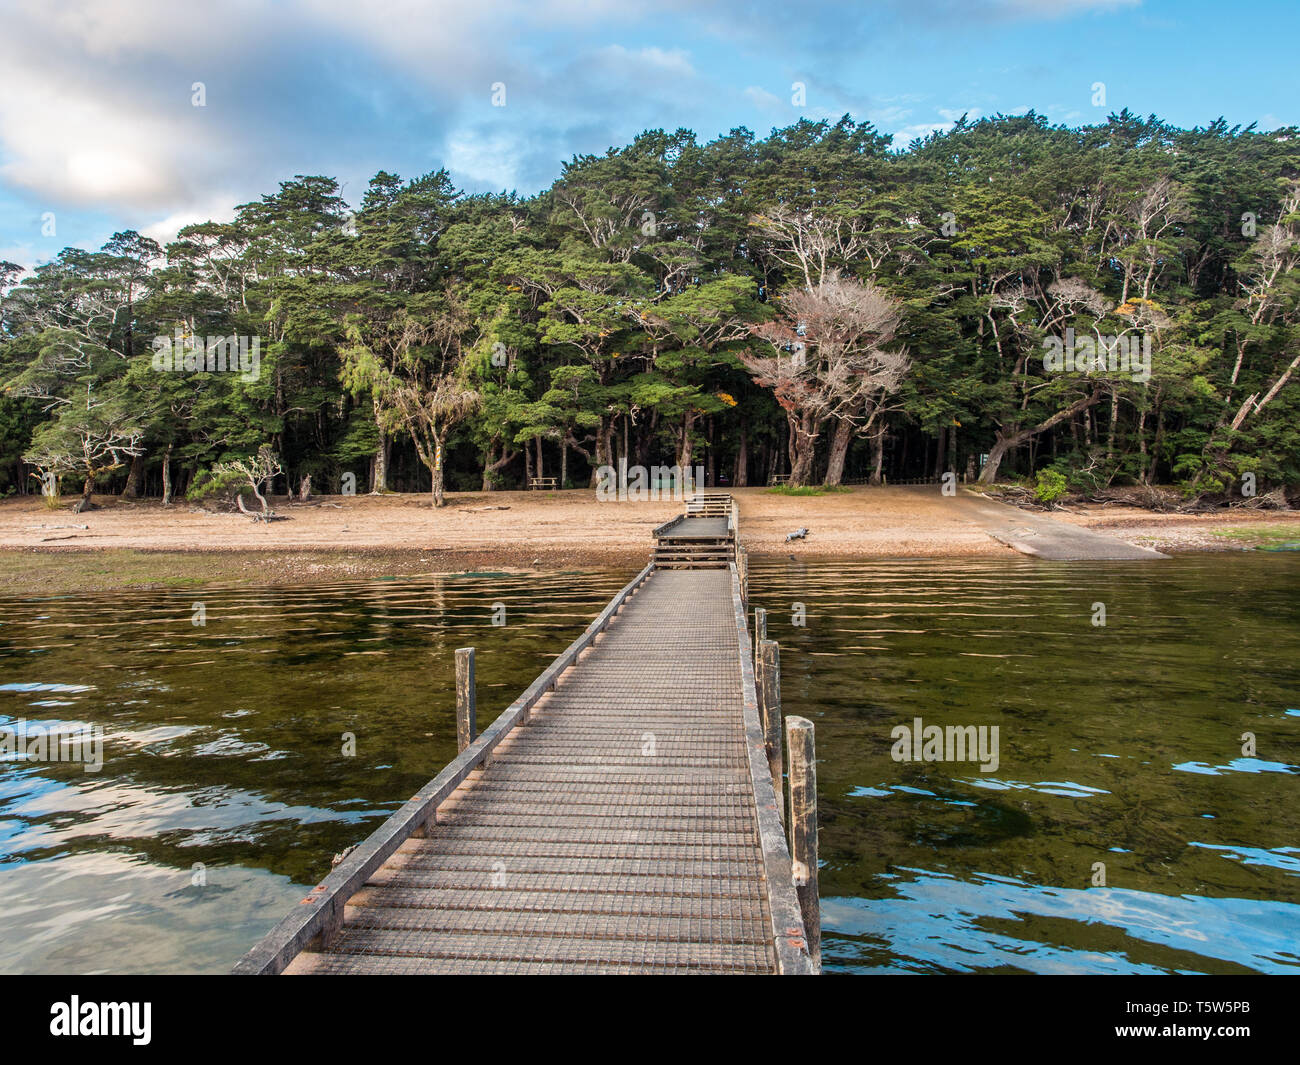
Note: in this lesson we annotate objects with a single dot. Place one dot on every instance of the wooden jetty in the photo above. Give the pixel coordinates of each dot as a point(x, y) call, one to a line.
point(623, 815)
point(704, 537)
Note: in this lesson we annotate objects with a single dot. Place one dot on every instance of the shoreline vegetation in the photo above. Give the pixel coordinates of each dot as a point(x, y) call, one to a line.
point(124, 545)
point(1108, 306)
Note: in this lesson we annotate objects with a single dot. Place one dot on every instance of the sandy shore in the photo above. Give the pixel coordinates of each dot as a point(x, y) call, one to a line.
point(131, 544)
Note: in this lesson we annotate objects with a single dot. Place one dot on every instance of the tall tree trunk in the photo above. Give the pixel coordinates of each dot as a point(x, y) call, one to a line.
point(839, 450)
point(1155, 444)
point(1114, 420)
point(645, 437)
point(495, 464)
point(564, 461)
point(604, 447)
point(878, 453)
point(713, 457)
point(437, 473)
point(1011, 437)
point(379, 478)
point(1142, 444)
point(685, 445)
point(939, 446)
point(1000, 447)
point(572, 442)
point(682, 435)
point(803, 448)
point(135, 475)
point(741, 477)
point(538, 439)
point(167, 477)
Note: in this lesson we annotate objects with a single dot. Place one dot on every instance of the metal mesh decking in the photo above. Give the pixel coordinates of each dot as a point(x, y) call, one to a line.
point(614, 833)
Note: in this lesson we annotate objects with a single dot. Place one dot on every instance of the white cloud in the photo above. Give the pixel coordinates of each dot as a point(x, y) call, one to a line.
point(1062, 8)
point(164, 230)
point(761, 98)
point(661, 61)
point(905, 136)
point(482, 159)
point(96, 109)
point(24, 255)
point(68, 147)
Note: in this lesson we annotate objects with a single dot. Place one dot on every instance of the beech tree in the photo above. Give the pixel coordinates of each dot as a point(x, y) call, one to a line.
point(414, 369)
point(811, 297)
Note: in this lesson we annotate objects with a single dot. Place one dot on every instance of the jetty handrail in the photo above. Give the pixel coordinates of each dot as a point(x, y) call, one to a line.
point(659, 530)
point(708, 504)
point(789, 934)
point(320, 914)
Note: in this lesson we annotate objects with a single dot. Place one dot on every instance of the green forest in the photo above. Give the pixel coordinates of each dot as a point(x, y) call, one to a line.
point(813, 305)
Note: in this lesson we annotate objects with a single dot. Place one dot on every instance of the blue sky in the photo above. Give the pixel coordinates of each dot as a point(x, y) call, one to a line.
point(98, 131)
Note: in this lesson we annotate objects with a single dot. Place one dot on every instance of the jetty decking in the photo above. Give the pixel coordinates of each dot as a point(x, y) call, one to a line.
point(703, 537)
point(620, 817)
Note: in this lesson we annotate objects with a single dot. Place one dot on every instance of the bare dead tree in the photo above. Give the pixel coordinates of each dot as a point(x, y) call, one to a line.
point(1269, 298)
point(1137, 235)
point(254, 473)
point(815, 246)
point(828, 357)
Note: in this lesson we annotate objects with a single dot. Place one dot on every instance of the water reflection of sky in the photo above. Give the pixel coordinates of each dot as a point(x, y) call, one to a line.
point(1237, 765)
point(221, 749)
point(41, 814)
point(1128, 756)
point(938, 923)
point(1119, 744)
point(112, 912)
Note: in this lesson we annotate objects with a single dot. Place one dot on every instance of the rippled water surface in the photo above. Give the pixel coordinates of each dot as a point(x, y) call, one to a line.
point(224, 745)
point(225, 788)
point(1120, 745)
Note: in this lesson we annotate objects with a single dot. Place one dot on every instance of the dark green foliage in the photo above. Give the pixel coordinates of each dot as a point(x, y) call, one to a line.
point(602, 318)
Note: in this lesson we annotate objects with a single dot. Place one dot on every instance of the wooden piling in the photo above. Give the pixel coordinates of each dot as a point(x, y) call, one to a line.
point(803, 829)
point(466, 699)
point(760, 632)
point(769, 702)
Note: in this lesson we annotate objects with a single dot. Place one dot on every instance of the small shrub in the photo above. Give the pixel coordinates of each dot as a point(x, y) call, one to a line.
point(1051, 486)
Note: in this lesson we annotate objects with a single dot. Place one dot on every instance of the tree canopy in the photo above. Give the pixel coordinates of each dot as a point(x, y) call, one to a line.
point(811, 303)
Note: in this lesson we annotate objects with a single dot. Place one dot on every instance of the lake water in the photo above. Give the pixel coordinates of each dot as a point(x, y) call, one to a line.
point(226, 788)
